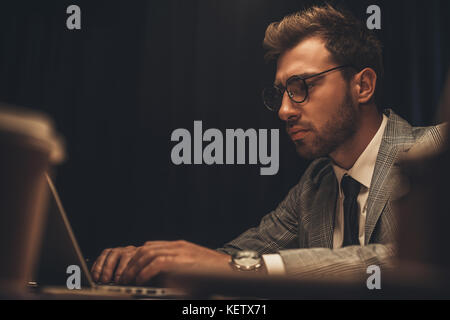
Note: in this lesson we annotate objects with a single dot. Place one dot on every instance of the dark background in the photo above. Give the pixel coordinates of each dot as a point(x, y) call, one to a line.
point(137, 70)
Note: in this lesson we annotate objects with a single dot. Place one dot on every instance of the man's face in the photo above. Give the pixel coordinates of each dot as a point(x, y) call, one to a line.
point(319, 125)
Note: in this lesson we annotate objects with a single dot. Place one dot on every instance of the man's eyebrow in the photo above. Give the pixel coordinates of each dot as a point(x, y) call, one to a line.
point(300, 75)
point(306, 74)
point(278, 84)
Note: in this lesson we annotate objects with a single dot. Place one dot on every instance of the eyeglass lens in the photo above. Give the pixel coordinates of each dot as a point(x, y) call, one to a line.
point(296, 90)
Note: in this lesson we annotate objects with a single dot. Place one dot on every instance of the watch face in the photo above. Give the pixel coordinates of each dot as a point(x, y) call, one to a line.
point(247, 260)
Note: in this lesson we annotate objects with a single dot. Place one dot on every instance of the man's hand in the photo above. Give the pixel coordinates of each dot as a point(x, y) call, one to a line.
point(156, 257)
point(110, 265)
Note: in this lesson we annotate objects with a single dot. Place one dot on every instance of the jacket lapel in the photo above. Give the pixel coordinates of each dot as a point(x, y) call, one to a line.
point(321, 218)
point(397, 138)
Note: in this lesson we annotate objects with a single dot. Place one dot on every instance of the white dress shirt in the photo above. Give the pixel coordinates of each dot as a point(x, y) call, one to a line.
point(362, 172)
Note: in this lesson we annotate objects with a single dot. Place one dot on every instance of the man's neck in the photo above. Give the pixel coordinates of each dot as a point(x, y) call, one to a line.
point(346, 154)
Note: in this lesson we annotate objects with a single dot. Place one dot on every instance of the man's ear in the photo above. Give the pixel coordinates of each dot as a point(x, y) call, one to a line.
point(365, 82)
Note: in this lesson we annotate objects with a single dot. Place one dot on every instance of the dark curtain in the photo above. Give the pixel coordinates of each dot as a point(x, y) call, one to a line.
point(137, 70)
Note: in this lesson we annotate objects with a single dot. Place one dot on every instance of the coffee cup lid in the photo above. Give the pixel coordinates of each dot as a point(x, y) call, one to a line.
point(36, 125)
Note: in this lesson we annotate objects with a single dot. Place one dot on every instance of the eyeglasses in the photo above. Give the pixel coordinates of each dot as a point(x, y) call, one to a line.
point(296, 88)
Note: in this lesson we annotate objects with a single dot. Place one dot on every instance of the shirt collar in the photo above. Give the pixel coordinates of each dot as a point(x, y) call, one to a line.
point(364, 166)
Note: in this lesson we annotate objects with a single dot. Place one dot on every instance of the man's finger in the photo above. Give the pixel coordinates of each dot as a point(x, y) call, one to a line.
point(109, 265)
point(93, 266)
point(98, 265)
point(124, 260)
point(140, 260)
point(136, 263)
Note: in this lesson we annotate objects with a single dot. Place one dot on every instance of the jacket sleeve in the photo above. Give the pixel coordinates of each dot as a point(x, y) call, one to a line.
point(348, 262)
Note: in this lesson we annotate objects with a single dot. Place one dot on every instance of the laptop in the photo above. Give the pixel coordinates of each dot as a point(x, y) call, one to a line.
point(60, 250)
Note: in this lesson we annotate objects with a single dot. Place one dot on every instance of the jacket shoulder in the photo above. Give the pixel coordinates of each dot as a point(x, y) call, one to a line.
point(428, 140)
point(436, 132)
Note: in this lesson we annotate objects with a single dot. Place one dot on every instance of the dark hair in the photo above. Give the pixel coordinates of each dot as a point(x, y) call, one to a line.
point(346, 38)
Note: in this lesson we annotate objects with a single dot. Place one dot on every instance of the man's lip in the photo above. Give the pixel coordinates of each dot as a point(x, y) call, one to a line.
point(294, 131)
point(298, 134)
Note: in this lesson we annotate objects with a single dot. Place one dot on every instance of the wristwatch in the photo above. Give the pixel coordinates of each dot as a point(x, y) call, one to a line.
point(246, 260)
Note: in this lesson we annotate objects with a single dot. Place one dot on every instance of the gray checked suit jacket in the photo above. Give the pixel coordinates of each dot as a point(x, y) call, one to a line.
point(300, 229)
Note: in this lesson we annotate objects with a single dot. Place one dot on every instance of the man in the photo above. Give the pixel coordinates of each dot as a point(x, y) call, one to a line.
point(338, 219)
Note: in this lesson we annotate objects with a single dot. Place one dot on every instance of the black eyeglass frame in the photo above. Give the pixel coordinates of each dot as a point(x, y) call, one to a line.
point(296, 77)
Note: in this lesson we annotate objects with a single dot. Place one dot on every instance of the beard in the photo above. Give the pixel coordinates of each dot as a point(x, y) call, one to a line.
point(340, 126)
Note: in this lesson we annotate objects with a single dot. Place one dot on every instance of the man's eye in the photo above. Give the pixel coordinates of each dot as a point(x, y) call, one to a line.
point(312, 83)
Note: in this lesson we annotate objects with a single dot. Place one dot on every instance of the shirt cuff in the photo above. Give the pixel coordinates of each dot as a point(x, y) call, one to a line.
point(274, 264)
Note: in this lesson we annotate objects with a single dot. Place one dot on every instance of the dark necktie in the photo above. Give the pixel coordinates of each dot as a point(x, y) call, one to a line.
point(351, 188)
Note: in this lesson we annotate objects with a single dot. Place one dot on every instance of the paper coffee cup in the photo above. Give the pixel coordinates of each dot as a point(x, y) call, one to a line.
point(29, 146)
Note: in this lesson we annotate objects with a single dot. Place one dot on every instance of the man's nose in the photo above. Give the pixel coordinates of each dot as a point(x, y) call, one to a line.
point(288, 108)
